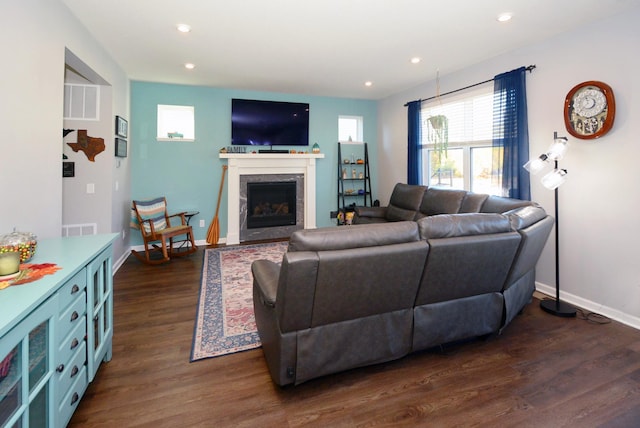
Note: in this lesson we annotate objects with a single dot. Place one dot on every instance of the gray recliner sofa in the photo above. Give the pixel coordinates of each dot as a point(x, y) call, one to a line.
point(350, 296)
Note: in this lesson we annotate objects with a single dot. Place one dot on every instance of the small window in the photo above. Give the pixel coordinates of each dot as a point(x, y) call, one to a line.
point(350, 128)
point(176, 123)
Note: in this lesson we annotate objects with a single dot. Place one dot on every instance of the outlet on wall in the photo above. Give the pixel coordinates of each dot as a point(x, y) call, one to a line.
point(201, 223)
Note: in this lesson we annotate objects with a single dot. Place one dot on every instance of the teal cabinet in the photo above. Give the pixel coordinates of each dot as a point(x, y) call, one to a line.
point(100, 311)
point(55, 332)
point(26, 385)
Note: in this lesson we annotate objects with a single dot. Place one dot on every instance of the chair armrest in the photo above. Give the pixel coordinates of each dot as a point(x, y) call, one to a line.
point(265, 278)
point(152, 229)
point(183, 220)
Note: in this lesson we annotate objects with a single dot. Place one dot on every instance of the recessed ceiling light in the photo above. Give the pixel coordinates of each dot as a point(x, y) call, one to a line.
point(504, 17)
point(415, 60)
point(368, 83)
point(184, 28)
point(189, 66)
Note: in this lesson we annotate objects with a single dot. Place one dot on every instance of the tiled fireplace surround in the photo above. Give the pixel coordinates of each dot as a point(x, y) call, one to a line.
point(244, 167)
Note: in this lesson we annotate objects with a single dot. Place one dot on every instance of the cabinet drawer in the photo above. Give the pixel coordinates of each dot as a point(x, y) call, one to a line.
point(71, 317)
point(71, 400)
point(71, 343)
point(70, 371)
point(72, 289)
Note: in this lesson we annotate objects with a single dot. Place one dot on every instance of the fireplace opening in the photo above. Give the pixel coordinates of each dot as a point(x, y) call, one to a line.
point(271, 204)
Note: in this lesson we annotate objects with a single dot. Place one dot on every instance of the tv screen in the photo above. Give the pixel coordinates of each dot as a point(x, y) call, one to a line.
point(269, 123)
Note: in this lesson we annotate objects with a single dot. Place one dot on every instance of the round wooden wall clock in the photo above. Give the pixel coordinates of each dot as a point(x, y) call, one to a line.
point(589, 110)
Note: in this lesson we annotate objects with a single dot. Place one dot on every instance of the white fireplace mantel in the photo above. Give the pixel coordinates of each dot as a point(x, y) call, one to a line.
point(264, 164)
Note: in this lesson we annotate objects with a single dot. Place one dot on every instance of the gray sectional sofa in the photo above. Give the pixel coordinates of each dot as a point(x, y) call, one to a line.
point(433, 267)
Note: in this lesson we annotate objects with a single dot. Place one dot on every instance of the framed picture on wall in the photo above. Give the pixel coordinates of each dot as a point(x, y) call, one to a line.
point(122, 127)
point(68, 169)
point(121, 148)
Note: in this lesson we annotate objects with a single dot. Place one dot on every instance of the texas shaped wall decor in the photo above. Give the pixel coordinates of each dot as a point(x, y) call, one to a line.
point(91, 146)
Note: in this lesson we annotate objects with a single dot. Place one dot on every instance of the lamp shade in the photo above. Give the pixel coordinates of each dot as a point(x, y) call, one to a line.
point(554, 179)
point(536, 165)
point(557, 148)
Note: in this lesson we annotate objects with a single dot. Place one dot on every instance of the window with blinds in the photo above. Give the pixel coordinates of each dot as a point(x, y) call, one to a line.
point(456, 145)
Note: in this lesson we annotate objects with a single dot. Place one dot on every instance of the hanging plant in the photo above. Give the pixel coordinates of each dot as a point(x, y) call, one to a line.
point(438, 135)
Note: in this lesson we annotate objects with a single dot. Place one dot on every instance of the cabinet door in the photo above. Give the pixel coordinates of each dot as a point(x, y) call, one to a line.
point(99, 311)
point(26, 370)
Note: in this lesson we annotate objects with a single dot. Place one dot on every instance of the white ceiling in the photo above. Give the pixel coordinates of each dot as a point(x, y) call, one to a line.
point(322, 47)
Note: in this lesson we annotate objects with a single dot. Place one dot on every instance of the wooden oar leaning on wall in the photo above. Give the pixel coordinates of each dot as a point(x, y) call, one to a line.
point(213, 234)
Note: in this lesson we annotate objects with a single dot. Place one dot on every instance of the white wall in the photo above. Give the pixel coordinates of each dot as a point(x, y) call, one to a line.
point(31, 111)
point(600, 202)
point(96, 207)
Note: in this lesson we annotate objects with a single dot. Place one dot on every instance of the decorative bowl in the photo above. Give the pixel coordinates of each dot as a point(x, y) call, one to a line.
point(24, 243)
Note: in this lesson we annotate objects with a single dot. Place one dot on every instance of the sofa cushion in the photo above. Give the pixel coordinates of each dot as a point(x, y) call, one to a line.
point(472, 202)
point(356, 236)
point(440, 201)
point(404, 202)
point(452, 225)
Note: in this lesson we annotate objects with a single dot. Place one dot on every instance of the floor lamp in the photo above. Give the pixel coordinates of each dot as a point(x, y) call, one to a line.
point(552, 181)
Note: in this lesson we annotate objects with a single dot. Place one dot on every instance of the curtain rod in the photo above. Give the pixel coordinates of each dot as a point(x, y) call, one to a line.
point(529, 69)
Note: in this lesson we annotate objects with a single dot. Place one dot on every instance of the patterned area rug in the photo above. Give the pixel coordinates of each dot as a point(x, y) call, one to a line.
point(225, 322)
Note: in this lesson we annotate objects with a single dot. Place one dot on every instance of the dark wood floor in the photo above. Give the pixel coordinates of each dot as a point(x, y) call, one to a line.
point(542, 371)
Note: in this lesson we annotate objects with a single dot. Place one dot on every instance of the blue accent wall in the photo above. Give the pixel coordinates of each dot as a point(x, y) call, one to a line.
point(189, 173)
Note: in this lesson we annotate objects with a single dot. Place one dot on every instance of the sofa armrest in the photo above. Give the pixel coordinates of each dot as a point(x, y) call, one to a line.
point(265, 278)
point(524, 217)
point(377, 212)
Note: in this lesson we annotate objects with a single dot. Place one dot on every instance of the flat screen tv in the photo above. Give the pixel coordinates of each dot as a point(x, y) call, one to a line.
point(269, 123)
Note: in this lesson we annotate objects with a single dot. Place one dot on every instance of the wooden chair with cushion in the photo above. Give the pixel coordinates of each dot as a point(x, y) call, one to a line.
point(155, 226)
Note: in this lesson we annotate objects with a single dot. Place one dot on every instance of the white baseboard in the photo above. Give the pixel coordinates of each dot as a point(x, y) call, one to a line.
point(120, 261)
point(614, 314)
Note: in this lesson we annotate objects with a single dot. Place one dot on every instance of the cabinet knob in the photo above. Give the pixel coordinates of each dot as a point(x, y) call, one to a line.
point(75, 289)
point(75, 398)
point(74, 343)
point(74, 371)
point(60, 368)
point(74, 316)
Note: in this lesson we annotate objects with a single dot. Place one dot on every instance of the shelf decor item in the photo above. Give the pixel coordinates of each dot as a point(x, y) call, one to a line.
point(348, 217)
point(315, 148)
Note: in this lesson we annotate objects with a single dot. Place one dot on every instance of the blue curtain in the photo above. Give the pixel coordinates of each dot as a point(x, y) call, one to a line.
point(511, 132)
point(414, 158)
